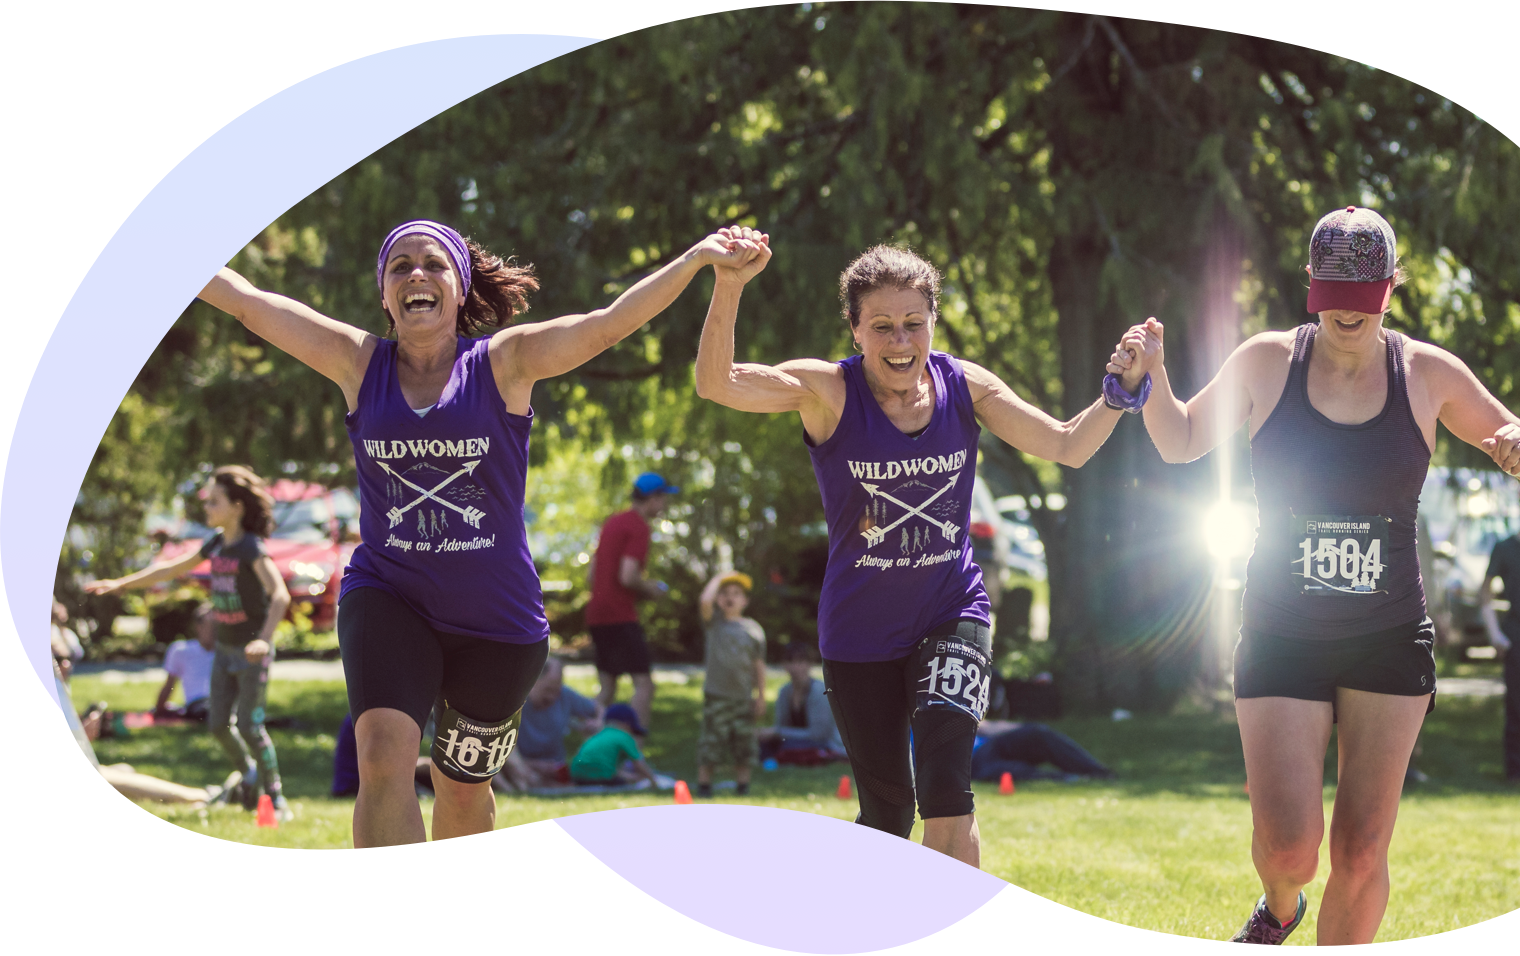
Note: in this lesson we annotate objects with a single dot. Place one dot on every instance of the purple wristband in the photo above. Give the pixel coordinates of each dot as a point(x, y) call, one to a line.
point(1114, 395)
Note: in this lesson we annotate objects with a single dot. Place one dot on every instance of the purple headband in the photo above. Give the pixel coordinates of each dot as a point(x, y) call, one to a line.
point(453, 244)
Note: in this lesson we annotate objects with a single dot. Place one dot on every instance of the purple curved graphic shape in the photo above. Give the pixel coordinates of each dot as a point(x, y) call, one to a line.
point(861, 890)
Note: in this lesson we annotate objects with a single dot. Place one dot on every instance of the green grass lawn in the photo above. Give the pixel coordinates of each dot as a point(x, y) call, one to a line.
point(1165, 847)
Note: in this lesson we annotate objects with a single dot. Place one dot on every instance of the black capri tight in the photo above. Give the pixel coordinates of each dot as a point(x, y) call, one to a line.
point(877, 703)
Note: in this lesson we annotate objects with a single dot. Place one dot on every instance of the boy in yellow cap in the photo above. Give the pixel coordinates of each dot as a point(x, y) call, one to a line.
point(733, 692)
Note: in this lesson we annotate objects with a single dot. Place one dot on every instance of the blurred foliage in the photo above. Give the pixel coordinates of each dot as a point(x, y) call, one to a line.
point(1070, 174)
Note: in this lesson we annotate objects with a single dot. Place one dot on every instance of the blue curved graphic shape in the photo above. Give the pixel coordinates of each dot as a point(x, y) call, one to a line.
point(208, 207)
point(861, 890)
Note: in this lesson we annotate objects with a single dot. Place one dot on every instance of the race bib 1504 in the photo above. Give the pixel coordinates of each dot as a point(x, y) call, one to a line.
point(1341, 554)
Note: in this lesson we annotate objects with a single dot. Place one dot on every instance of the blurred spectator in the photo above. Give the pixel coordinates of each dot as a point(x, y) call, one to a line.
point(188, 662)
point(733, 690)
point(551, 711)
point(66, 647)
point(1504, 564)
point(600, 759)
point(1005, 746)
point(617, 582)
point(804, 731)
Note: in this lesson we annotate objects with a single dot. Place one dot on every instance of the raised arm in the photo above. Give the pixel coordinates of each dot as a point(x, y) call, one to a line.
point(708, 596)
point(1031, 430)
point(810, 386)
point(527, 353)
point(334, 349)
point(1185, 431)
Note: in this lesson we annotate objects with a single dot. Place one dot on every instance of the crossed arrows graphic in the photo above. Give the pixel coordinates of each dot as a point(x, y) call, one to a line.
point(875, 536)
point(472, 515)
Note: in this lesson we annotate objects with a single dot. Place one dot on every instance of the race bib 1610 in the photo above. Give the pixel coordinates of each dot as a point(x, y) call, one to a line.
point(1341, 554)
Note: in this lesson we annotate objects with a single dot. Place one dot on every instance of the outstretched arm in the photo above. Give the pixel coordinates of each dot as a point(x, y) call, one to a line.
point(1185, 431)
point(1466, 408)
point(1031, 430)
point(524, 354)
point(801, 385)
point(335, 349)
point(149, 576)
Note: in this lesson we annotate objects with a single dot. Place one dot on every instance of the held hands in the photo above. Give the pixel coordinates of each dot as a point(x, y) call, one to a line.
point(750, 249)
point(1504, 449)
point(1138, 353)
point(256, 650)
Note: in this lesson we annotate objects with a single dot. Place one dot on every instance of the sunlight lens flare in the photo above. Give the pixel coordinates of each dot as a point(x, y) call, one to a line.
point(1229, 528)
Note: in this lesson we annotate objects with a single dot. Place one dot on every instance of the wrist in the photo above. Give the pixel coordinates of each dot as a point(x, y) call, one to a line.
point(1120, 396)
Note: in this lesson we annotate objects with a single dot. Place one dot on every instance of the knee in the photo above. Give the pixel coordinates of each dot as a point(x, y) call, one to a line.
point(386, 743)
point(1290, 854)
point(1358, 856)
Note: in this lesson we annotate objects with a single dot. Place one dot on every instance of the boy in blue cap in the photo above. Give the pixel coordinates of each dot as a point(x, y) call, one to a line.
point(617, 582)
point(601, 756)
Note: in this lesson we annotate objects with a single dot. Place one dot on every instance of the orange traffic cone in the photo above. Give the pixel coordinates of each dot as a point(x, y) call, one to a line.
point(1245, 788)
point(683, 792)
point(1005, 785)
point(844, 788)
point(266, 817)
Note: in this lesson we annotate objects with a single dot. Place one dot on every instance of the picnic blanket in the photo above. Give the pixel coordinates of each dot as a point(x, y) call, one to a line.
point(664, 783)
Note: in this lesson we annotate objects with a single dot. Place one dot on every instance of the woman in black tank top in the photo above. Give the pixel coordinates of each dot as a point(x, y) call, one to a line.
point(1342, 418)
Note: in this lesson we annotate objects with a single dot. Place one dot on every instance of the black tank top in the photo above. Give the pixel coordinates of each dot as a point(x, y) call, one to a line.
point(1335, 554)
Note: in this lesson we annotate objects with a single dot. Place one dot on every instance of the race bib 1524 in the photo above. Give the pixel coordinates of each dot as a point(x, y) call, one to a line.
point(1341, 554)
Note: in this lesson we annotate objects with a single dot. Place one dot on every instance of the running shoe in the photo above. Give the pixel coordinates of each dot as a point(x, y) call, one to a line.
point(282, 811)
point(228, 790)
point(248, 791)
point(1264, 928)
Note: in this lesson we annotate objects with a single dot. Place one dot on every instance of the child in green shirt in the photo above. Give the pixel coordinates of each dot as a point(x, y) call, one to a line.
point(601, 756)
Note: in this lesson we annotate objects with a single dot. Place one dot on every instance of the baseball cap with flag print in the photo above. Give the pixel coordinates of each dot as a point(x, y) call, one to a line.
point(1352, 261)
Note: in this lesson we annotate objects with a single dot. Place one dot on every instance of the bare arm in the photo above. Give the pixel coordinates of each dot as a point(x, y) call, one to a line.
point(149, 576)
point(631, 576)
point(527, 353)
point(810, 386)
point(759, 688)
point(1496, 635)
point(279, 603)
point(163, 694)
point(1029, 429)
point(708, 596)
point(1465, 407)
point(1184, 431)
point(334, 349)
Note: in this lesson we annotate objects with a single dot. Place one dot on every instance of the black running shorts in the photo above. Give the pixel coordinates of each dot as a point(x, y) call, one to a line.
point(393, 658)
point(1398, 661)
point(620, 648)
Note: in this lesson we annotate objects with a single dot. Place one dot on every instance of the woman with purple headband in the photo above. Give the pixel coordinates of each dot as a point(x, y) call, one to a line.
point(441, 609)
point(1342, 416)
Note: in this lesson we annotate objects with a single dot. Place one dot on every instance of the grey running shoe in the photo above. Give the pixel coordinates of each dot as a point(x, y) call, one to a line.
point(1264, 928)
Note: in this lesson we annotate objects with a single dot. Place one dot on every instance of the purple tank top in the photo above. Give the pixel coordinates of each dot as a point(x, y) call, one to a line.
point(441, 499)
point(1335, 555)
point(898, 511)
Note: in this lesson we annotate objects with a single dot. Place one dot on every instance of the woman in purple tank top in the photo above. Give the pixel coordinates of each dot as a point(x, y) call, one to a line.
point(441, 609)
point(1342, 418)
point(903, 618)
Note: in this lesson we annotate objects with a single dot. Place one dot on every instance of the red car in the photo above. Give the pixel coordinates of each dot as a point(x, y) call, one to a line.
point(315, 531)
